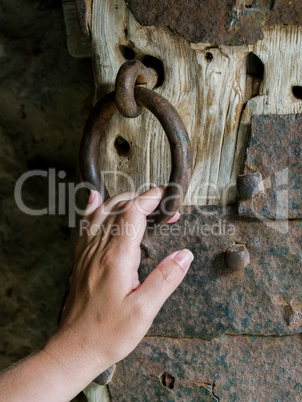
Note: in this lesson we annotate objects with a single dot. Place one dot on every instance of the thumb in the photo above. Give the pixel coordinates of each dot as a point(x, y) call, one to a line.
point(164, 279)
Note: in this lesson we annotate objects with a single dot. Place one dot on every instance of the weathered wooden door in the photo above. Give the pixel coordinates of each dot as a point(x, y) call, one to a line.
point(232, 331)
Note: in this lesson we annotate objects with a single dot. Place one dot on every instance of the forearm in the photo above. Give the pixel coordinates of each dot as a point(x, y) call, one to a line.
point(56, 373)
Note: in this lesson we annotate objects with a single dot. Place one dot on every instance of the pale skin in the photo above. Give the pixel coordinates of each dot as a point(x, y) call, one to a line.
point(108, 311)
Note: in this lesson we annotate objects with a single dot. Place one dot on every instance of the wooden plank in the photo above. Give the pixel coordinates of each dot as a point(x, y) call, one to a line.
point(96, 393)
point(209, 85)
point(78, 45)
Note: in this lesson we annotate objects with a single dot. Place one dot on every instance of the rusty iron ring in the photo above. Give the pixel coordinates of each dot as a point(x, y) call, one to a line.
point(131, 73)
point(178, 138)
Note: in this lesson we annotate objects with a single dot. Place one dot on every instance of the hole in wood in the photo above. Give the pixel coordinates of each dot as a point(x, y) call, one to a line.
point(209, 56)
point(249, 3)
point(254, 71)
point(127, 52)
point(254, 66)
point(122, 146)
point(168, 380)
point(297, 91)
point(157, 65)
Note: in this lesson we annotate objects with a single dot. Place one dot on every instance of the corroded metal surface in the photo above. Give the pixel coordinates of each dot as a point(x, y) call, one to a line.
point(275, 150)
point(131, 73)
point(237, 257)
point(214, 299)
point(181, 159)
point(227, 22)
point(249, 185)
point(175, 130)
point(95, 127)
point(240, 368)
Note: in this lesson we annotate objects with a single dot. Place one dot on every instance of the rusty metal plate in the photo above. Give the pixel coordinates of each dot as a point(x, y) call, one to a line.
point(228, 22)
point(233, 369)
point(263, 298)
point(275, 152)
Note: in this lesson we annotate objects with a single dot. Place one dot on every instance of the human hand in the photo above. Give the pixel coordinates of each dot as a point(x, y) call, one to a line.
point(108, 311)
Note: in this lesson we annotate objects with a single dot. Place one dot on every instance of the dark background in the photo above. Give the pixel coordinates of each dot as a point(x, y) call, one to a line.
point(45, 96)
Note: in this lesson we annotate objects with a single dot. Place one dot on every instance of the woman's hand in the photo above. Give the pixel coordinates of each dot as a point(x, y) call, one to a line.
point(108, 309)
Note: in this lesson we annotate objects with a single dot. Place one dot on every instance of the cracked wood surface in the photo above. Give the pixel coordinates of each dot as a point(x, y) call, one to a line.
point(207, 84)
point(211, 87)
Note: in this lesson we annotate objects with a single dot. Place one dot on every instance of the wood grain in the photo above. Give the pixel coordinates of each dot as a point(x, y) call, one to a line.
point(210, 88)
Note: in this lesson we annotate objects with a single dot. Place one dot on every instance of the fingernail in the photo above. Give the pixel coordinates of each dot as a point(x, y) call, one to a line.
point(174, 218)
point(91, 197)
point(184, 258)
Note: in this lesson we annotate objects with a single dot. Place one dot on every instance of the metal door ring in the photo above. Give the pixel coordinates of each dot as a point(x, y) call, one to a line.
point(178, 138)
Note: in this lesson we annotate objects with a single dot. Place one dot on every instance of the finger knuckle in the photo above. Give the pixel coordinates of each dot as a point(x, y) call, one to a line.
point(130, 211)
point(120, 206)
point(141, 309)
point(168, 275)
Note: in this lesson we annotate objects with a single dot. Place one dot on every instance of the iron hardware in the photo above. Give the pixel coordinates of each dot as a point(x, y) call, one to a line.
point(129, 99)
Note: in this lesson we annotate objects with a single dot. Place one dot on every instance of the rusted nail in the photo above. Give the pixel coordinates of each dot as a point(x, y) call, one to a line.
point(237, 257)
point(292, 317)
point(249, 185)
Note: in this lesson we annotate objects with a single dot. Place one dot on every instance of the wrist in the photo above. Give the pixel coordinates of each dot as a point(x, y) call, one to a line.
point(73, 356)
point(58, 372)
